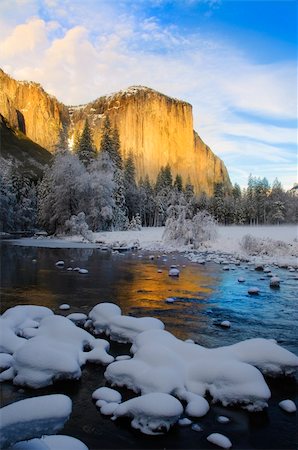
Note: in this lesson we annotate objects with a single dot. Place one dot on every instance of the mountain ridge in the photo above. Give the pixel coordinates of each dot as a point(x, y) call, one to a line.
point(156, 128)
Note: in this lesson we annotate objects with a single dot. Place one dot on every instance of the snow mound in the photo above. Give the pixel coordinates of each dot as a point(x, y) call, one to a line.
point(107, 394)
point(60, 442)
point(55, 352)
point(220, 440)
point(231, 374)
point(288, 406)
point(223, 419)
point(33, 417)
point(151, 413)
point(14, 320)
point(275, 282)
point(77, 318)
point(173, 272)
point(253, 291)
point(64, 307)
point(106, 318)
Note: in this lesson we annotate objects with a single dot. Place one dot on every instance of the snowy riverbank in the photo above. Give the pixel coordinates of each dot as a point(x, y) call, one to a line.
point(278, 244)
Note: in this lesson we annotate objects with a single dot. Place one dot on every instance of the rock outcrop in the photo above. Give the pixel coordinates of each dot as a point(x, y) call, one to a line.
point(157, 129)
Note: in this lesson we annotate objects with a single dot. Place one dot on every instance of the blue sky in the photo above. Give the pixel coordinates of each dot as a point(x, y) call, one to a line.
point(234, 61)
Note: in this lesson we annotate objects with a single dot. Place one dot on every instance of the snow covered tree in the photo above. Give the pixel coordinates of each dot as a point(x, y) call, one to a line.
point(97, 197)
point(59, 192)
point(130, 186)
point(146, 202)
point(62, 144)
point(86, 149)
point(135, 223)
point(110, 143)
point(120, 219)
point(218, 208)
point(7, 201)
point(178, 184)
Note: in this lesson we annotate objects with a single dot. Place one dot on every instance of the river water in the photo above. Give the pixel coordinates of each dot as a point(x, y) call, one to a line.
point(205, 295)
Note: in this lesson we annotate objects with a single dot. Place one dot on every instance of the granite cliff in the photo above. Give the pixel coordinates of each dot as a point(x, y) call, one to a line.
point(157, 129)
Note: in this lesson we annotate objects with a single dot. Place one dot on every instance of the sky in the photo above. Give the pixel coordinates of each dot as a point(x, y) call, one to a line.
point(234, 61)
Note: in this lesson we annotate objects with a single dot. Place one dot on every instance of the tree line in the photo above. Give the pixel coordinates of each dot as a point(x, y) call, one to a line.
point(103, 186)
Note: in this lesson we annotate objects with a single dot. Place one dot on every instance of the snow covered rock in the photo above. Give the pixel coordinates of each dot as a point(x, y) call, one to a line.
point(288, 406)
point(125, 328)
point(223, 419)
point(107, 394)
point(101, 316)
point(33, 417)
point(225, 324)
point(220, 440)
point(77, 318)
point(151, 413)
point(185, 422)
point(64, 307)
point(253, 291)
point(163, 363)
point(275, 282)
point(170, 300)
point(55, 442)
point(83, 271)
point(241, 280)
point(13, 322)
point(106, 318)
point(59, 264)
point(57, 351)
point(174, 272)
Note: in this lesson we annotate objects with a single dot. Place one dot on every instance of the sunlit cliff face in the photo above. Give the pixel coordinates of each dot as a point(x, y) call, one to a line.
point(157, 129)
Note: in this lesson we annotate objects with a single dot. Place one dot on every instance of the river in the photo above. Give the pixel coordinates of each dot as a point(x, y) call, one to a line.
point(204, 296)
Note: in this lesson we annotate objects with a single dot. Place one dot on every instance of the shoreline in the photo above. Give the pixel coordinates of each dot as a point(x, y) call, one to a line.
point(281, 242)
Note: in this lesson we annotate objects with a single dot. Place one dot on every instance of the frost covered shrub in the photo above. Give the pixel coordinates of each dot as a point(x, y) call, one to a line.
point(184, 230)
point(255, 246)
point(77, 225)
point(203, 228)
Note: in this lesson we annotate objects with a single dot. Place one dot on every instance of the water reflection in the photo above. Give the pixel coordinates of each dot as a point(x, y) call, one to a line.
point(204, 295)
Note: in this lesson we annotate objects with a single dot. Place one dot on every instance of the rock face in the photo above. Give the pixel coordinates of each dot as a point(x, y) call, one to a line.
point(34, 112)
point(157, 129)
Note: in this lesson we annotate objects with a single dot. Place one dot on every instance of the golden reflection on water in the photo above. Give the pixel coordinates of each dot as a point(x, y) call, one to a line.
point(149, 289)
point(28, 296)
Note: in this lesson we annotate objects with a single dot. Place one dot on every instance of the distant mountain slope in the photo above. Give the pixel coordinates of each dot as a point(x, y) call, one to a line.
point(18, 149)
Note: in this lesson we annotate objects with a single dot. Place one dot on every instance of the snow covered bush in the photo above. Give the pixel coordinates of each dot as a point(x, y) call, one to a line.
point(203, 228)
point(184, 229)
point(256, 246)
point(77, 225)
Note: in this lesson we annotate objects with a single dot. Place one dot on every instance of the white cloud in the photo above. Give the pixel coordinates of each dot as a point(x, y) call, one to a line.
point(81, 52)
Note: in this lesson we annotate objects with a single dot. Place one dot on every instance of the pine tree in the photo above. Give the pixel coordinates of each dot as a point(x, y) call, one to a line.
point(62, 144)
point(106, 142)
point(146, 202)
point(120, 219)
point(116, 154)
point(178, 184)
point(130, 186)
point(110, 143)
point(86, 150)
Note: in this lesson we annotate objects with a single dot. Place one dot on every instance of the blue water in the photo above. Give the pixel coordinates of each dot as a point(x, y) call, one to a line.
point(204, 296)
